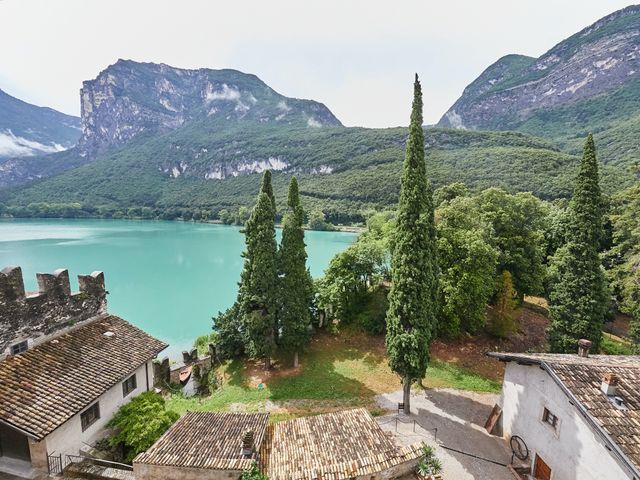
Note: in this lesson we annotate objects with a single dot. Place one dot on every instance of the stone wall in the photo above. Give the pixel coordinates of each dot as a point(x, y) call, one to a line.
point(32, 316)
point(143, 471)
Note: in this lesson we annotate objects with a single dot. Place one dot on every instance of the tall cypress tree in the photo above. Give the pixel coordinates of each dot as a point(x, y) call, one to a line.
point(296, 286)
point(579, 296)
point(412, 310)
point(267, 188)
point(259, 290)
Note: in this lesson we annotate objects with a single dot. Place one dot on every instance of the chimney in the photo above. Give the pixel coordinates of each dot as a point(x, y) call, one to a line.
point(609, 384)
point(584, 346)
point(248, 444)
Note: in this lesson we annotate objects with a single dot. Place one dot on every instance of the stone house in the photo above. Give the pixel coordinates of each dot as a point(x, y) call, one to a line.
point(333, 446)
point(578, 415)
point(66, 367)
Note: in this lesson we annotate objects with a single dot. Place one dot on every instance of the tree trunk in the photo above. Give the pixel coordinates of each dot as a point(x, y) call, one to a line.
point(267, 363)
point(295, 360)
point(406, 397)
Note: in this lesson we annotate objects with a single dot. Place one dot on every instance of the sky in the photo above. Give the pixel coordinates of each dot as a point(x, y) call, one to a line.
point(356, 56)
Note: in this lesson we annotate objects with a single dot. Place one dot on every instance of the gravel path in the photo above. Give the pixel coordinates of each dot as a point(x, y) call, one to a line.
point(459, 417)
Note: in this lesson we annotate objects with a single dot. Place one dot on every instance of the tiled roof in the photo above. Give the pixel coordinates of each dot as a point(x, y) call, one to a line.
point(43, 387)
point(582, 377)
point(207, 440)
point(331, 446)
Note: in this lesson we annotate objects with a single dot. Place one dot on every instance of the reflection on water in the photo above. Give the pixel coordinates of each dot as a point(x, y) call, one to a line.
point(168, 278)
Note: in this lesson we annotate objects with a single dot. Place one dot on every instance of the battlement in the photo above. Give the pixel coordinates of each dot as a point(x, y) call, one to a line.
point(33, 316)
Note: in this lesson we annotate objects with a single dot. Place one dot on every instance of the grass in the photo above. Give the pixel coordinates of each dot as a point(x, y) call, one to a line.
point(612, 345)
point(337, 371)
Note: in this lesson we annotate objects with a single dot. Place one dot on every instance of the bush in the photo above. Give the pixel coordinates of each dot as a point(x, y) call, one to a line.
point(139, 423)
point(253, 473)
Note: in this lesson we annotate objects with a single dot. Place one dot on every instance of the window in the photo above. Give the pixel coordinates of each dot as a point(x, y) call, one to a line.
point(18, 348)
point(550, 418)
point(90, 416)
point(129, 385)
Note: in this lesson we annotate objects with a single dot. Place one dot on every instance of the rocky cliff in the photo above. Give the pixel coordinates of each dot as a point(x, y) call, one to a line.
point(129, 99)
point(597, 61)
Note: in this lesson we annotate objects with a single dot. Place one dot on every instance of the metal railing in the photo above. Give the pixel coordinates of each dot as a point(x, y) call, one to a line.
point(54, 464)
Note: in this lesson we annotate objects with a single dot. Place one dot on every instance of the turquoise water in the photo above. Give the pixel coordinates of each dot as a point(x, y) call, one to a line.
point(168, 278)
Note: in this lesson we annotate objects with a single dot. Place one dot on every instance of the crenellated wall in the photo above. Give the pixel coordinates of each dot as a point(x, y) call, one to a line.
point(32, 316)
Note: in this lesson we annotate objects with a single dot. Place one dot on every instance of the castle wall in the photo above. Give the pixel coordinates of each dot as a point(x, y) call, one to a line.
point(32, 316)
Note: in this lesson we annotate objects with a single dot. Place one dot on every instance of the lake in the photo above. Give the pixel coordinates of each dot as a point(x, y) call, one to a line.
point(168, 278)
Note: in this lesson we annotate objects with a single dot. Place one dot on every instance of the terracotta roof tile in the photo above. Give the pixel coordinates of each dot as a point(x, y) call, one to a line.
point(43, 387)
point(331, 446)
point(207, 440)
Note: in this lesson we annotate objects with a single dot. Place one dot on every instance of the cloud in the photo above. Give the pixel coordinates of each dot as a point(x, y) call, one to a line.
point(14, 146)
point(227, 93)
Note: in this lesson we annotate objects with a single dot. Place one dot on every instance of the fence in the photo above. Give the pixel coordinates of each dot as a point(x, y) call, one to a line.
point(57, 463)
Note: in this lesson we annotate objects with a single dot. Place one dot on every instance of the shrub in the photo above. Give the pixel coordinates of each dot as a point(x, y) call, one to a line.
point(253, 473)
point(139, 423)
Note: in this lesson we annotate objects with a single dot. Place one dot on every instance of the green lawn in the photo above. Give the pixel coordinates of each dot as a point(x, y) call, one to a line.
point(337, 371)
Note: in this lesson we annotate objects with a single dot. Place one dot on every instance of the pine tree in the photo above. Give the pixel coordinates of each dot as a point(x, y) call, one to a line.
point(411, 317)
point(296, 285)
point(579, 297)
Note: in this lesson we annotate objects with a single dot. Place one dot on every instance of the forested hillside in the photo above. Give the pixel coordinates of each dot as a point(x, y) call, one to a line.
point(343, 171)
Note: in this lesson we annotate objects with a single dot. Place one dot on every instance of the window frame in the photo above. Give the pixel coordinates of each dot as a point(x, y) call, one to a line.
point(548, 415)
point(20, 347)
point(126, 387)
point(86, 423)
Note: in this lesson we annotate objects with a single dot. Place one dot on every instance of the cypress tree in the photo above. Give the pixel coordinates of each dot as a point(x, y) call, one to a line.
point(267, 188)
point(259, 291)
point(579, 297)
point(411, 316)
point(296, 286)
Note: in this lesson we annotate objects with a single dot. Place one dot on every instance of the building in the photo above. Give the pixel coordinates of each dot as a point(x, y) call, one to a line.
point(579, 415)
point(219, 446)
point(66, 367)
point(342, 445)
point(204, 445)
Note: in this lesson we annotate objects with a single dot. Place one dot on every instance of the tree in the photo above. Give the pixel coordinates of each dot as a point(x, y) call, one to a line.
point(634, 330)
point(579, 297)
point(518, 226)
point(139, 423)
point(318, 221)
point(296, 285)
point(249, 326)
point(502, 320)
point(411, 317)
point(258, 290)
point(467, 261)
point(267, 188)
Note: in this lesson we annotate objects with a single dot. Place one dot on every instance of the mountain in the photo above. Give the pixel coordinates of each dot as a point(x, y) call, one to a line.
point(589, 82)
point(343, 171)
point(129, 99)
point(27, 130)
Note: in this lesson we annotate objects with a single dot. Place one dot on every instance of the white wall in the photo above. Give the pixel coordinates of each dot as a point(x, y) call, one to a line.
point(69, 437)
point(573, 451)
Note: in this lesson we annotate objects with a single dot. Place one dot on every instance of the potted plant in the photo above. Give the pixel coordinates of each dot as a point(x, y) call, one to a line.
point(429, 466)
